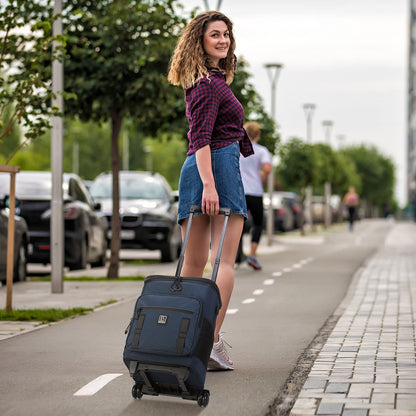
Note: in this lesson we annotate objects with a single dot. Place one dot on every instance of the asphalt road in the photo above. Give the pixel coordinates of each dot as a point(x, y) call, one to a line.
point(273, 316)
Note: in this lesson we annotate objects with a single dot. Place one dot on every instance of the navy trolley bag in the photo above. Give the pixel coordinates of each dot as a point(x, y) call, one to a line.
point(171, 333)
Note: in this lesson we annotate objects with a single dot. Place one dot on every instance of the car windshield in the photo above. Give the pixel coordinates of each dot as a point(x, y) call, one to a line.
point(26, 185)
point(130, 188)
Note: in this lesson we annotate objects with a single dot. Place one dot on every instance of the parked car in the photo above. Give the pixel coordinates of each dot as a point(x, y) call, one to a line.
point(148, 210)
point(21, 241)
point(318, 209)
point(292, 200)
point(283, 216)
point(85, 227)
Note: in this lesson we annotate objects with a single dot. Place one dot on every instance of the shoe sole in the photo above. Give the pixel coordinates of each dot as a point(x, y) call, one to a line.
point(254, 265)
point(214, 365)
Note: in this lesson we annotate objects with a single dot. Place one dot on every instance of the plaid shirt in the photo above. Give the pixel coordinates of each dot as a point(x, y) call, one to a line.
point(215, 116)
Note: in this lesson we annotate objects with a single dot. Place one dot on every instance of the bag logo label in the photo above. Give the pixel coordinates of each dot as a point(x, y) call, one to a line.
point(162, 319)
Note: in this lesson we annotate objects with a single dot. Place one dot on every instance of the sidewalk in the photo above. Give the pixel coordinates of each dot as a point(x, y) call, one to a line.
point(367, 366)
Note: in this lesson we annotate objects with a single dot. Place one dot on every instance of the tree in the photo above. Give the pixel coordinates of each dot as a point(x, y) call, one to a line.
point(116, 63)
point(377, 174)
point(297, 169)
point(25, 70)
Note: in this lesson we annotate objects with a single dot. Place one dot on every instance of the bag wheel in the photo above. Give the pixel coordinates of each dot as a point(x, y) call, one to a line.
point(203, 398)
point(136, 391)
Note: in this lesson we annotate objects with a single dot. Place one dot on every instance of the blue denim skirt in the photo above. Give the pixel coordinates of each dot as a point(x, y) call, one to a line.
point(226, 170)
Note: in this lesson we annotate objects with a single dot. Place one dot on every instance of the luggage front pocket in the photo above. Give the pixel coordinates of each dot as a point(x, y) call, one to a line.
point(165, 324)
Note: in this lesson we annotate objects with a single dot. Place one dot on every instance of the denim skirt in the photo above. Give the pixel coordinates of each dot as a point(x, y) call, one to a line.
point(226, 170)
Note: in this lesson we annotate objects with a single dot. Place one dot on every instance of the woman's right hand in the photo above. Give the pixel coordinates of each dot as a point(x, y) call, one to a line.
point(210, 200)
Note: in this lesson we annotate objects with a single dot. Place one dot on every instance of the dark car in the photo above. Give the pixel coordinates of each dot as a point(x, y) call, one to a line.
point(85, 227)
point(283, 217)
point(292, 200)
point(148, 210)
point(21, 241)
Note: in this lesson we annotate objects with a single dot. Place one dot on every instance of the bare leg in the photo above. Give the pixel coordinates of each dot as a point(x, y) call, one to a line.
point(225, 279)
point(197, 249)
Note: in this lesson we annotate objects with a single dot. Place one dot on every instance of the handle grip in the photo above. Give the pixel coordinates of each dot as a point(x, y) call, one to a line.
point(197, 209)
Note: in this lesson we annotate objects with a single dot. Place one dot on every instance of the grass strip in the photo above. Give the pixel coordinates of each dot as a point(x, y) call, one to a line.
point(88, 279)
point(42, 315)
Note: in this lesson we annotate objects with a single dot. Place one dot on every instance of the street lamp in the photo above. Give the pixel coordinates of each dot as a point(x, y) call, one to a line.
point(327, 125)
point(207, 5)
point(57, 211)
point(273, 71)
point(309, 108)
point(341, 140)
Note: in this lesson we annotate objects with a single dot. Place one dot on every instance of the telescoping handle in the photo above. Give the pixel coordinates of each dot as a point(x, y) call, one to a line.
point(197, 209)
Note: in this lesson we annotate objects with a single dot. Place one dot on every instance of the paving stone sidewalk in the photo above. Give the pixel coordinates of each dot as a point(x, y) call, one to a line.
point(367, 366)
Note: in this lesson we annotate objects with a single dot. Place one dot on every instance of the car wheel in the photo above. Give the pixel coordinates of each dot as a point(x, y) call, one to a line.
point(100, 262)
point(169, 251)
point(102, 259)
point(20, 266)
point(82, 261)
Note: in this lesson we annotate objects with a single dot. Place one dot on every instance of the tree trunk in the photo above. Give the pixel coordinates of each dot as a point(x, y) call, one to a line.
point(116, 121)
point(302, 212)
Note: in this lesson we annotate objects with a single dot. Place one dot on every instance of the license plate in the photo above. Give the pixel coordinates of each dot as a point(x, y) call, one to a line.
point(124, 234)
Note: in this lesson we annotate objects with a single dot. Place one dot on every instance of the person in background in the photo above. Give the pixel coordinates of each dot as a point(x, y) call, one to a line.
point(203, 63)
point(351, 200)
point(254, 171)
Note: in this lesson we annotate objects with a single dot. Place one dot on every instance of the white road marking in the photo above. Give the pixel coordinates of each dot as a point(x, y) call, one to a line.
point(269, 282)
point(249, 300)
point(258, 292)
point(287, 269)
point(297, 266)
point(276, 274)
point(231, 311)
point(95, 385)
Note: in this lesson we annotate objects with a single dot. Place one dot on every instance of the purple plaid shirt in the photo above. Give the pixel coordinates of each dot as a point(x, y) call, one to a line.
point(215, 116)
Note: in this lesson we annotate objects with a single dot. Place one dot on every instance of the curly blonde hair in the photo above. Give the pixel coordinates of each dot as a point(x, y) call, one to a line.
point(189, 61)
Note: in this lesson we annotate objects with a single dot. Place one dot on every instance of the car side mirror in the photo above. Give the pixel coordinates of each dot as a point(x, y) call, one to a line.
point(97, 206)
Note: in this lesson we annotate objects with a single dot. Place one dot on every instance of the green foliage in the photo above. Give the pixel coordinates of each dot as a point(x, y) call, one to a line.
point(88, 142)
point(165, 154)
point(35, 155)
point(298, 167)
point(345, 175)
point(41, 315)
point(117, 59)
point(376, 171)
point(25, 68)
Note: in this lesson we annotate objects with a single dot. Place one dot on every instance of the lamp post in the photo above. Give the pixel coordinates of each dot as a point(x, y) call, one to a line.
point(57, 216)
point(207, 5)
point(341, 140)
point(309, 108)
point(273, 71)
point(327, 125)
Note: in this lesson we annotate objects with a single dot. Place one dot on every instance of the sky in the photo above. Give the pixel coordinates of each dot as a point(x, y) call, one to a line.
point(348, 57)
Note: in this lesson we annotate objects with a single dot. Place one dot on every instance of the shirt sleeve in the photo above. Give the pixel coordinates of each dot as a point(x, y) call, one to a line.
point(203, 109)
point(265, 156)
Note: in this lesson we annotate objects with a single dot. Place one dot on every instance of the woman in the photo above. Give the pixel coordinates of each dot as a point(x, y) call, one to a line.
point(203, 64)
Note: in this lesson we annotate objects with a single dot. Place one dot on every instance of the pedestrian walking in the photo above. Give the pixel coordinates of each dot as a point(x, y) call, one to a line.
point(351, 200)
point(254, 171)
point(203, 63)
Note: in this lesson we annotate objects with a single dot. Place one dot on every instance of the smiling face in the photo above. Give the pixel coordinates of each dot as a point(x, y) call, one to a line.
point(216, 41)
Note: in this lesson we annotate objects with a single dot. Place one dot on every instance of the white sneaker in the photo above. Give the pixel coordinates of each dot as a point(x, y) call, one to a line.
point(219, 359)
